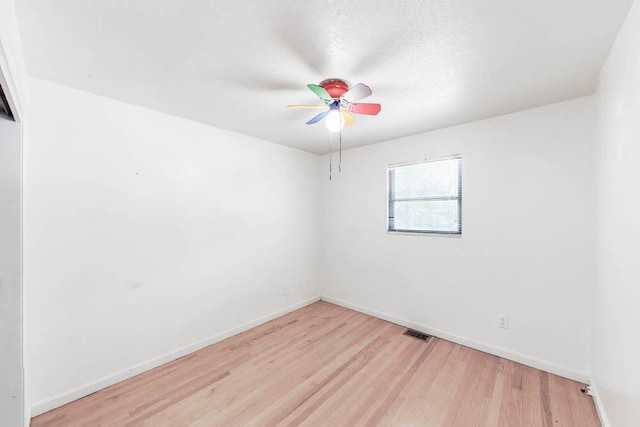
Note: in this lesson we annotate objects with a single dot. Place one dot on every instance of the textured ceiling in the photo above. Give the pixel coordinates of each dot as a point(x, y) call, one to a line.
point(237, 64)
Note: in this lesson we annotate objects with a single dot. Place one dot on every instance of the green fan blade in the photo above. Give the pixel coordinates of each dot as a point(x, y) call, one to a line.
point(321, 92)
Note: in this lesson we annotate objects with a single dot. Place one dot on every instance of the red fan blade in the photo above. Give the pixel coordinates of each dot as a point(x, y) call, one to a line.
point(370, 109)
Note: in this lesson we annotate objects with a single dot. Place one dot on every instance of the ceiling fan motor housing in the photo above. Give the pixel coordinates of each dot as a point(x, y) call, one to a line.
point(335, 87)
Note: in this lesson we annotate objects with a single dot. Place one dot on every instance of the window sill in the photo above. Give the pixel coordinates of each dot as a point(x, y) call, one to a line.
point(424, 233)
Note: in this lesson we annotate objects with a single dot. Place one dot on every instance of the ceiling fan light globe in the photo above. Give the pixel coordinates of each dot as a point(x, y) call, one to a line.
point(334, 121)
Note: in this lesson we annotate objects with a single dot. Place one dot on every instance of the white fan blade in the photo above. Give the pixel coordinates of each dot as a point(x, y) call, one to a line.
point(356, 93)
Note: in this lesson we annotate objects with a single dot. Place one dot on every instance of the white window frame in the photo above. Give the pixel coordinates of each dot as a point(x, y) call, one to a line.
point(390, 201)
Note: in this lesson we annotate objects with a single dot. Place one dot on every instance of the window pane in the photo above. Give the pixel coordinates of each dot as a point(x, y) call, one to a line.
point(430, 179)
point(425, 215)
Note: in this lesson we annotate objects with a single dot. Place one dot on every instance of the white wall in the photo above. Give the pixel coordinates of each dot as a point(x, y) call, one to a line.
point(147, 233)
point(617, 297)
point(526, 251)
point(11, 372)
point(12, 79)
point(12, 68)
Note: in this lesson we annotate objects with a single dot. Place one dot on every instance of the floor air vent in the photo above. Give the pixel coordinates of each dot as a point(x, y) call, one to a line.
point(417, 335)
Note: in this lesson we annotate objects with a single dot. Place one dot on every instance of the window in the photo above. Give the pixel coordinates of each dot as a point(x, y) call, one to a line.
point(426, 197)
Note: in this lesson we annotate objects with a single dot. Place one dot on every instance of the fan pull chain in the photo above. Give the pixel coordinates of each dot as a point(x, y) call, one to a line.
point(340, 161)
point(330, 153)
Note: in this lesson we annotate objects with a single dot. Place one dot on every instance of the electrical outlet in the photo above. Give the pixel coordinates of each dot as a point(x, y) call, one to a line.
point(284, 291)
point(503, 321)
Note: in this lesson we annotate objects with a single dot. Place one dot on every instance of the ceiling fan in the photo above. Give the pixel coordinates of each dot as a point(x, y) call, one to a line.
point(342, 101)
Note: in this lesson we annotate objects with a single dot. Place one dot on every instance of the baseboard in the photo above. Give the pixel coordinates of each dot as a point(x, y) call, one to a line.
point(467, 342)
point(85, 390)
point(602, 414)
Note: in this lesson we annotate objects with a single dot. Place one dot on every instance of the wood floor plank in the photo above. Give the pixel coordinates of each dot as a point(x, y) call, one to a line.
point(324, 365)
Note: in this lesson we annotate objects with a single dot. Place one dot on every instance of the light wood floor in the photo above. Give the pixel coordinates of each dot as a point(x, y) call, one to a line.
point(325, 365)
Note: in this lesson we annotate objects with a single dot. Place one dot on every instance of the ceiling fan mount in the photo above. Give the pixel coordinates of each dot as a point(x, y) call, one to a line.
point(335, 87)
